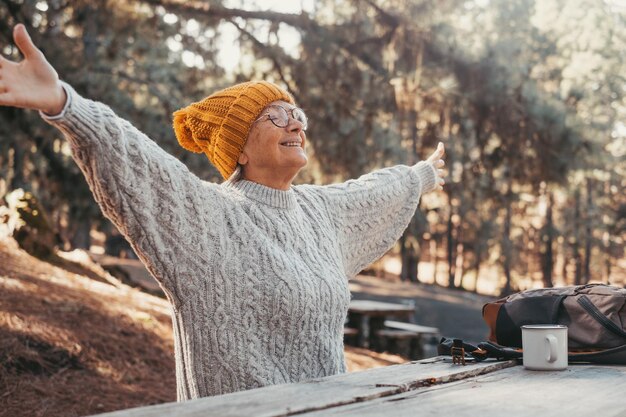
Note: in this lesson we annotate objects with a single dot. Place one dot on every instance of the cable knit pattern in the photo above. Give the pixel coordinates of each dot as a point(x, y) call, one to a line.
point(257, 278)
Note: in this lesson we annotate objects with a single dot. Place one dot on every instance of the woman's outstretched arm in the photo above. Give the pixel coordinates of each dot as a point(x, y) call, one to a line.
point(371, 212)
point(148, 194)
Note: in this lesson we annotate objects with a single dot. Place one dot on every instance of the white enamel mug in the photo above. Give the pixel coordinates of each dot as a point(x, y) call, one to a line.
point(545, 347)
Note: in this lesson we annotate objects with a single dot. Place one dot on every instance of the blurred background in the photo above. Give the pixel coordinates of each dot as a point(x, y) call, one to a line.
point(528, 97)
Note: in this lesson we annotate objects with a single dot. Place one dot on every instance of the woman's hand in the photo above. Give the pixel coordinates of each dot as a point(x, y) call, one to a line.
point(437, 160)
point(32, 83)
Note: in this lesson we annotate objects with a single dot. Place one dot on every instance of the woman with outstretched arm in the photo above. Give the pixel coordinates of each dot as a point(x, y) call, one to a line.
point(255, 269)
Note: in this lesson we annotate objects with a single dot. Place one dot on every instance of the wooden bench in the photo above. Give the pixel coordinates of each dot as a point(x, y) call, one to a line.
point(350, 335)
point(401, 342)
point(410, 327)
point(407, 339)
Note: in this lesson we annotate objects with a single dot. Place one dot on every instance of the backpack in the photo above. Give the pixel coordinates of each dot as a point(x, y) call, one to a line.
point(595, 315)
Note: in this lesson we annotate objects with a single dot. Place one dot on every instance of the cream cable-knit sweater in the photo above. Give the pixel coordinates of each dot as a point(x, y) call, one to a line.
point(257, 277)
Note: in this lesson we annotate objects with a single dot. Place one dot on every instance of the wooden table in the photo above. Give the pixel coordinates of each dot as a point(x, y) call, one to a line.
point(428, 387)
point(369, 316)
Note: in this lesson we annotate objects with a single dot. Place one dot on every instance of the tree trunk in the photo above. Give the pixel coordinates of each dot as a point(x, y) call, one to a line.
point(610, 230)
point(548, 256)
point(576, 243)
point(416, 145)
point(414, 254)
point(434, 256)
point(460, 260)
point(408, 257)
point(4, 175)
point(506, 243)
point(565, 255)
point(82, 238)
point(476, 266)
point(588, 235)
point(450, 248)
point(606, 246)
point(413, 263)
point(17, 165)
point(403, 257)
point(607, 263)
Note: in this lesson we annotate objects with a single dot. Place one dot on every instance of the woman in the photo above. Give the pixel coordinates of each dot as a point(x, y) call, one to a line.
point(256, 270)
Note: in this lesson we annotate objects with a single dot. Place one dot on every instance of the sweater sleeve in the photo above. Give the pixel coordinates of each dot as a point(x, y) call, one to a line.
point(148, 194)
point(371, 212)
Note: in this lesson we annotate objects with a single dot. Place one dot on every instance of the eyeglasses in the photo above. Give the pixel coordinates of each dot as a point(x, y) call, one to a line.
point(279, 116)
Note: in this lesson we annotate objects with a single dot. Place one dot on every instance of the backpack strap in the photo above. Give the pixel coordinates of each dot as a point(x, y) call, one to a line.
point(593, 311)
point(490, 350)
point(612, 356)
point(484, 350)
point(499, 352)
point(446, 345)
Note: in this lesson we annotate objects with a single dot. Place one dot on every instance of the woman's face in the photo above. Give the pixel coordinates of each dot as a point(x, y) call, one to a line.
point(270, 148)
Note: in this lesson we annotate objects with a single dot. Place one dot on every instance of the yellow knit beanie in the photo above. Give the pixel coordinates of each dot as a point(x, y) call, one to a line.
point(219, 124)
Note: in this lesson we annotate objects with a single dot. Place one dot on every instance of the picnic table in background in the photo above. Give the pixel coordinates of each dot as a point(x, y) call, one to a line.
point(369, 322)
point(368, 317)
point(429, 387)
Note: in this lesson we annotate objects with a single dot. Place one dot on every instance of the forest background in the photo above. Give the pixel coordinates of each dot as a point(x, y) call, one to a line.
point(528, 97)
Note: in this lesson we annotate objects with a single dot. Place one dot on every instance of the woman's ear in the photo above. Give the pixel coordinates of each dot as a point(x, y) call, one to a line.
point(243, 158)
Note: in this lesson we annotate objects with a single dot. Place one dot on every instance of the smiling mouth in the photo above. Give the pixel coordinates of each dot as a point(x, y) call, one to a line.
point(292, 144)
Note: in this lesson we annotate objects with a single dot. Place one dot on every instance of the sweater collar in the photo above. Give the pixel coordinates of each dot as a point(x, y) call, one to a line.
point(262, 194)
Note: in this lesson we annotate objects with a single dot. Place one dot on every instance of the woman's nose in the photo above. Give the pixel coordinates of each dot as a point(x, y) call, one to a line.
point(295, 125)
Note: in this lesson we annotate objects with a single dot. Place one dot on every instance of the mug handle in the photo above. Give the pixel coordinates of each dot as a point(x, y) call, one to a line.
point(552, 352)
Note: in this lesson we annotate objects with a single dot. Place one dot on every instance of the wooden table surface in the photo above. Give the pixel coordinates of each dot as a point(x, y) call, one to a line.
point(429, 387)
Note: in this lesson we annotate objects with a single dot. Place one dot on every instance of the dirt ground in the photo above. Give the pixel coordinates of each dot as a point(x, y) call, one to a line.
point(76, 341)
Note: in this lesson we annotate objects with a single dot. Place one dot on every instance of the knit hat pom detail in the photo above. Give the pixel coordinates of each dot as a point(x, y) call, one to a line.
point(184, 135)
